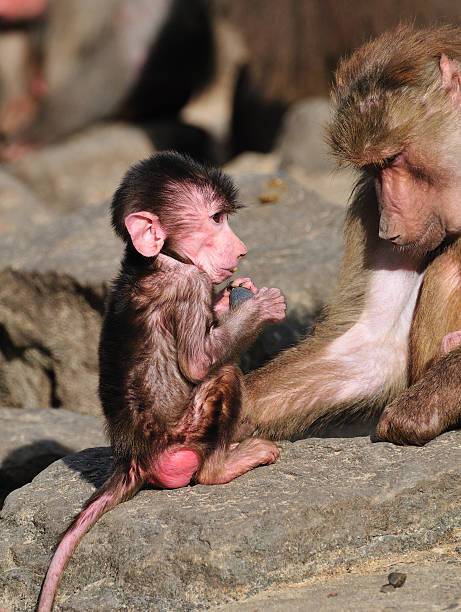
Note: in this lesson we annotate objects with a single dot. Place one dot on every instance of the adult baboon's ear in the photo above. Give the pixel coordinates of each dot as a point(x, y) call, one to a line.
point(451, 76)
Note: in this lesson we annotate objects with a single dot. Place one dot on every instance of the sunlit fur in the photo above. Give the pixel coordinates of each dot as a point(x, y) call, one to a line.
point(167, 184)
point(389, 94)
point(378, 342)
point(169, 384)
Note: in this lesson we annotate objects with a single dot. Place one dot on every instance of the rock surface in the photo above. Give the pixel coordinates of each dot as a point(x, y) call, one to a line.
point(53, 288)
point(252, 162)
point(302, 153)
point(32, 439)
point(302, 136)
point(433, 584)
point(19, 207)
point(83, 169)
point(326, 506)
point(50, 326)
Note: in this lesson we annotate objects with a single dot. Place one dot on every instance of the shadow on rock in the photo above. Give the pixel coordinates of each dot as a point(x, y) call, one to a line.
point(94, 468)
point(22, 464)
point(351, 427)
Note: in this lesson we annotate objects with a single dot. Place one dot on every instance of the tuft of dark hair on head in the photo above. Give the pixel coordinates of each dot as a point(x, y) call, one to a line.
point(151, 183)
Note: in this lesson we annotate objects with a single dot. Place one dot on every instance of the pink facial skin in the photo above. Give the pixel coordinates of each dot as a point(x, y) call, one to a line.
point(209, 242)
point(213, 247)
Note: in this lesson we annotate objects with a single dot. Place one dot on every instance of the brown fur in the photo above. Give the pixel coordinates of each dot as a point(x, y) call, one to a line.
point(427, 408)
point(396, 118)
point(167, 373)
point(439, 310)
point(386, 79)
point(276, 394)
point(169, 385)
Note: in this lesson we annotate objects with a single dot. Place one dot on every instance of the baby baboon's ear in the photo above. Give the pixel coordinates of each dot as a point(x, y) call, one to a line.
point(147, 235)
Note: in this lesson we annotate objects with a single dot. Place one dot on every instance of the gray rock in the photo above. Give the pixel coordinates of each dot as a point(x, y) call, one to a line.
point(52, 292)
point(19, 207)
point(80, 245)
point(50, 326)
point(397, 579)
point(238, 295)
point(362, 593)
point(51, 304)
point(301, 140)
point(335, 186)
point(252, 162)
point(303, 152)
point(326, 506)
point(294, 239)
point(84, 169)
point(32, 439)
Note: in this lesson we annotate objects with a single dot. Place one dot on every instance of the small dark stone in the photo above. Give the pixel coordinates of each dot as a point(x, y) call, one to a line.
point(239, 295)
point(387, 588)
point(397, 579)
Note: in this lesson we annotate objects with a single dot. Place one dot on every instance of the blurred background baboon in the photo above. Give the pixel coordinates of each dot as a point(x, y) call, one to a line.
point(210, 77)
